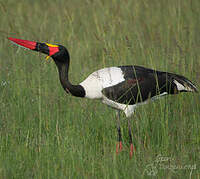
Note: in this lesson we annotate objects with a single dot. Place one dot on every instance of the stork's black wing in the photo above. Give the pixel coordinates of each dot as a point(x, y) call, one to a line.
point(142, 83)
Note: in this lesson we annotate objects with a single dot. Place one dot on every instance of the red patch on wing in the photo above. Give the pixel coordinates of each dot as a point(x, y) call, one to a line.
point(25, 43)
point(133, 81)
point(53, 50)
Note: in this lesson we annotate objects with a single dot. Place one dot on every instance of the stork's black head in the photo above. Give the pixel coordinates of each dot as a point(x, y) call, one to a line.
point(58, 52)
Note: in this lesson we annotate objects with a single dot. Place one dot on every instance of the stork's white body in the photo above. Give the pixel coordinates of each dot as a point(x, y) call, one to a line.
point(103, 78)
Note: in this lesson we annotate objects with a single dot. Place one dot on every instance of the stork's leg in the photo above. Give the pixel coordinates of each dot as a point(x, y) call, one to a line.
point(119, 144)
point(130, 138)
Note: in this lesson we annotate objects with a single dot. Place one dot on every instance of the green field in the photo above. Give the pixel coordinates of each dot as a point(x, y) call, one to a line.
point(45, 133)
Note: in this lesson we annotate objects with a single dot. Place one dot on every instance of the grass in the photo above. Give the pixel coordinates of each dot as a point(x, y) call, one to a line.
point(44, 133)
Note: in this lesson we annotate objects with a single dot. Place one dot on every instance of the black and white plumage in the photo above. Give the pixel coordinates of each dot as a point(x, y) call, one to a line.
point(126, 87)
point(122, 87)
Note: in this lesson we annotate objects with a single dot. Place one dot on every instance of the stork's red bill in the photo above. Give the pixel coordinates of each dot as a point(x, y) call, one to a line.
point(46, 48)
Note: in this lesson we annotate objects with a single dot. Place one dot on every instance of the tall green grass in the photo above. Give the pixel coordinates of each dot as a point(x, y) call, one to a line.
point(44, 133)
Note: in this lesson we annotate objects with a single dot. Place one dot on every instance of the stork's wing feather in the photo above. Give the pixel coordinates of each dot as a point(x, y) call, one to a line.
point(139, 85)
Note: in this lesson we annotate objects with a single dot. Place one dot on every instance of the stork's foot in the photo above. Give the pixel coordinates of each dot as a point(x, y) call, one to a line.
point(132, 149)
point(119, 147)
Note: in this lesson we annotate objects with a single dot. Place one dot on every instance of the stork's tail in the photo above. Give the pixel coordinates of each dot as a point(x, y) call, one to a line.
point(183, 84)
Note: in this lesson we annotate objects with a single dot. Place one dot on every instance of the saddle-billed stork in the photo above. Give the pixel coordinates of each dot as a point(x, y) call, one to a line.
point(121, 87)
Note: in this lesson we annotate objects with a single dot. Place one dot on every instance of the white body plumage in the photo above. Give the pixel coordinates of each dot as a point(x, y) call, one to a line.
point(103, 78)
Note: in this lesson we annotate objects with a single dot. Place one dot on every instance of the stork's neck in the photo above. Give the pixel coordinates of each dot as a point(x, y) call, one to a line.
point(75, 90)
